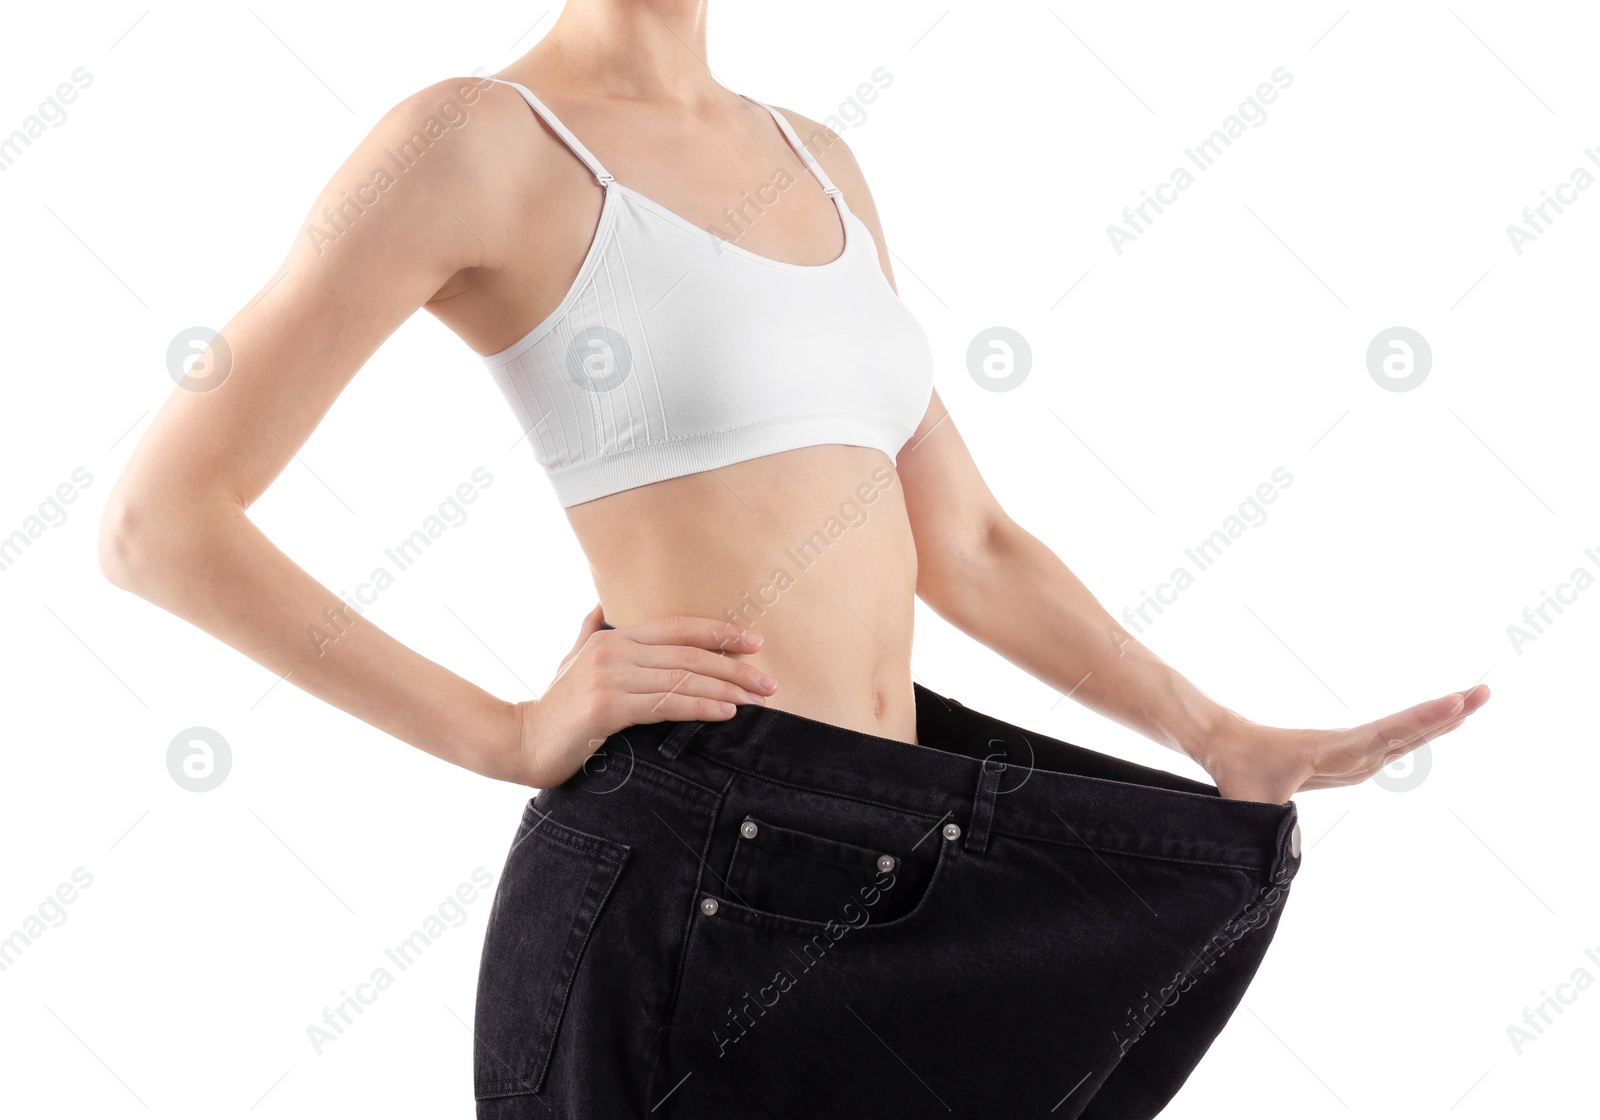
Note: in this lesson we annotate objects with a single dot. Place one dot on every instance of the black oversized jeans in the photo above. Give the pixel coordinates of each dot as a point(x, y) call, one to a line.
point(773, 916)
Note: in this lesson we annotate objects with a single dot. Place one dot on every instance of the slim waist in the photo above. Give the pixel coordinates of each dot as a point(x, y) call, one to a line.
point(985, 776)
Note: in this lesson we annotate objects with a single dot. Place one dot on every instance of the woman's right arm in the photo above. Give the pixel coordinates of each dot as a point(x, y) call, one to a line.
point(175, 529)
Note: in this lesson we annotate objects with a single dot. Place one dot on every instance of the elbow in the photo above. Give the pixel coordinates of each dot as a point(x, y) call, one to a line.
point(120, 553)
point(138, 539)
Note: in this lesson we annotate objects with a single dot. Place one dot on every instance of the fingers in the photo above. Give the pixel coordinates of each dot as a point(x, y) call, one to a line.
point(687, 630)
point(688, 659)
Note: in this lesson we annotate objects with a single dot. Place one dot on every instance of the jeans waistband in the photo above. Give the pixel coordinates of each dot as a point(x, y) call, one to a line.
point(986, 775)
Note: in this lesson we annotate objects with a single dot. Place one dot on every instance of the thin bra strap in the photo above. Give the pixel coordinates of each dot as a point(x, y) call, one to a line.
point(798, 146)
point(561, 130)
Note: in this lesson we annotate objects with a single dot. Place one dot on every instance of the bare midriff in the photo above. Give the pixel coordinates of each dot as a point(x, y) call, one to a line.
point(810, 548)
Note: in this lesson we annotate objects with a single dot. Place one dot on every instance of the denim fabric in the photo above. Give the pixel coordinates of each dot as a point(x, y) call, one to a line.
point(771, 916)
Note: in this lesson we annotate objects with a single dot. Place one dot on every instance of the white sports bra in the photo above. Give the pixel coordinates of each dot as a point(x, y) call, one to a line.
point(676, 351)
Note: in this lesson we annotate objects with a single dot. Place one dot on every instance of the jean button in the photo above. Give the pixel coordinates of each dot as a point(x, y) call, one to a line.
point(708, 906)
point(748, 830)
point(952, 832)
point(885, 863)
point(1294, 841)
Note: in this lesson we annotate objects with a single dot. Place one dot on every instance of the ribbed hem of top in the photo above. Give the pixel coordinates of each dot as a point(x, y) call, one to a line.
point(656, 462)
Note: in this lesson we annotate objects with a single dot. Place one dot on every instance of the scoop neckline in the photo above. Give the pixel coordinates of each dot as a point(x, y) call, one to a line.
point(722, 244)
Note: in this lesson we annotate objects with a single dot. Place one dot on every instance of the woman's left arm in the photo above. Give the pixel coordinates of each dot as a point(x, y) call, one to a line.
point(988, 576)
point(992, 579)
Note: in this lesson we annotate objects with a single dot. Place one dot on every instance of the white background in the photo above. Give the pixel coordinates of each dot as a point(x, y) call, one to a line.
point(1226, 341)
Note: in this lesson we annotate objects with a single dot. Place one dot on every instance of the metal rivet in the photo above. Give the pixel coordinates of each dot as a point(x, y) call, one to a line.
point(885, 863)
point(1294, 841)
point(952, 832)
point(708, 906)
point(748, 830)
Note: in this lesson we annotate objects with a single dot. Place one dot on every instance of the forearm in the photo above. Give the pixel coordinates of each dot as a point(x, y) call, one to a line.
point(1016, 596)
point(211, 565)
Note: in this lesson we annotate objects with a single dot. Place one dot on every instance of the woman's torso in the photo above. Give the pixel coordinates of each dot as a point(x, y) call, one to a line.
point(811, 547)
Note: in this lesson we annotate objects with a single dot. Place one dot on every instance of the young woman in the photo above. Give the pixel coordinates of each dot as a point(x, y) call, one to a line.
point(767, 875)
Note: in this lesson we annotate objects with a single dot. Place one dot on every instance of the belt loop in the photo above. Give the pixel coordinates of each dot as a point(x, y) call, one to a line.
point(678, 736)
point(983, 805)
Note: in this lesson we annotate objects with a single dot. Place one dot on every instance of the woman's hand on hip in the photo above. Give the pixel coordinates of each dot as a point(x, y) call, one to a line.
point(1251, 762)
point(671, 668)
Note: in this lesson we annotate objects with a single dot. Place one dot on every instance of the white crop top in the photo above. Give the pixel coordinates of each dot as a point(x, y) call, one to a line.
point(676, 351)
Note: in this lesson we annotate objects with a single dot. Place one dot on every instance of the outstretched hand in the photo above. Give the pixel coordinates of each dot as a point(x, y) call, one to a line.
point(1252, 762)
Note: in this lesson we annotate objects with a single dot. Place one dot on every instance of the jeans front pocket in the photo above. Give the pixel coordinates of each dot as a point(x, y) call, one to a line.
point(551, 894)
